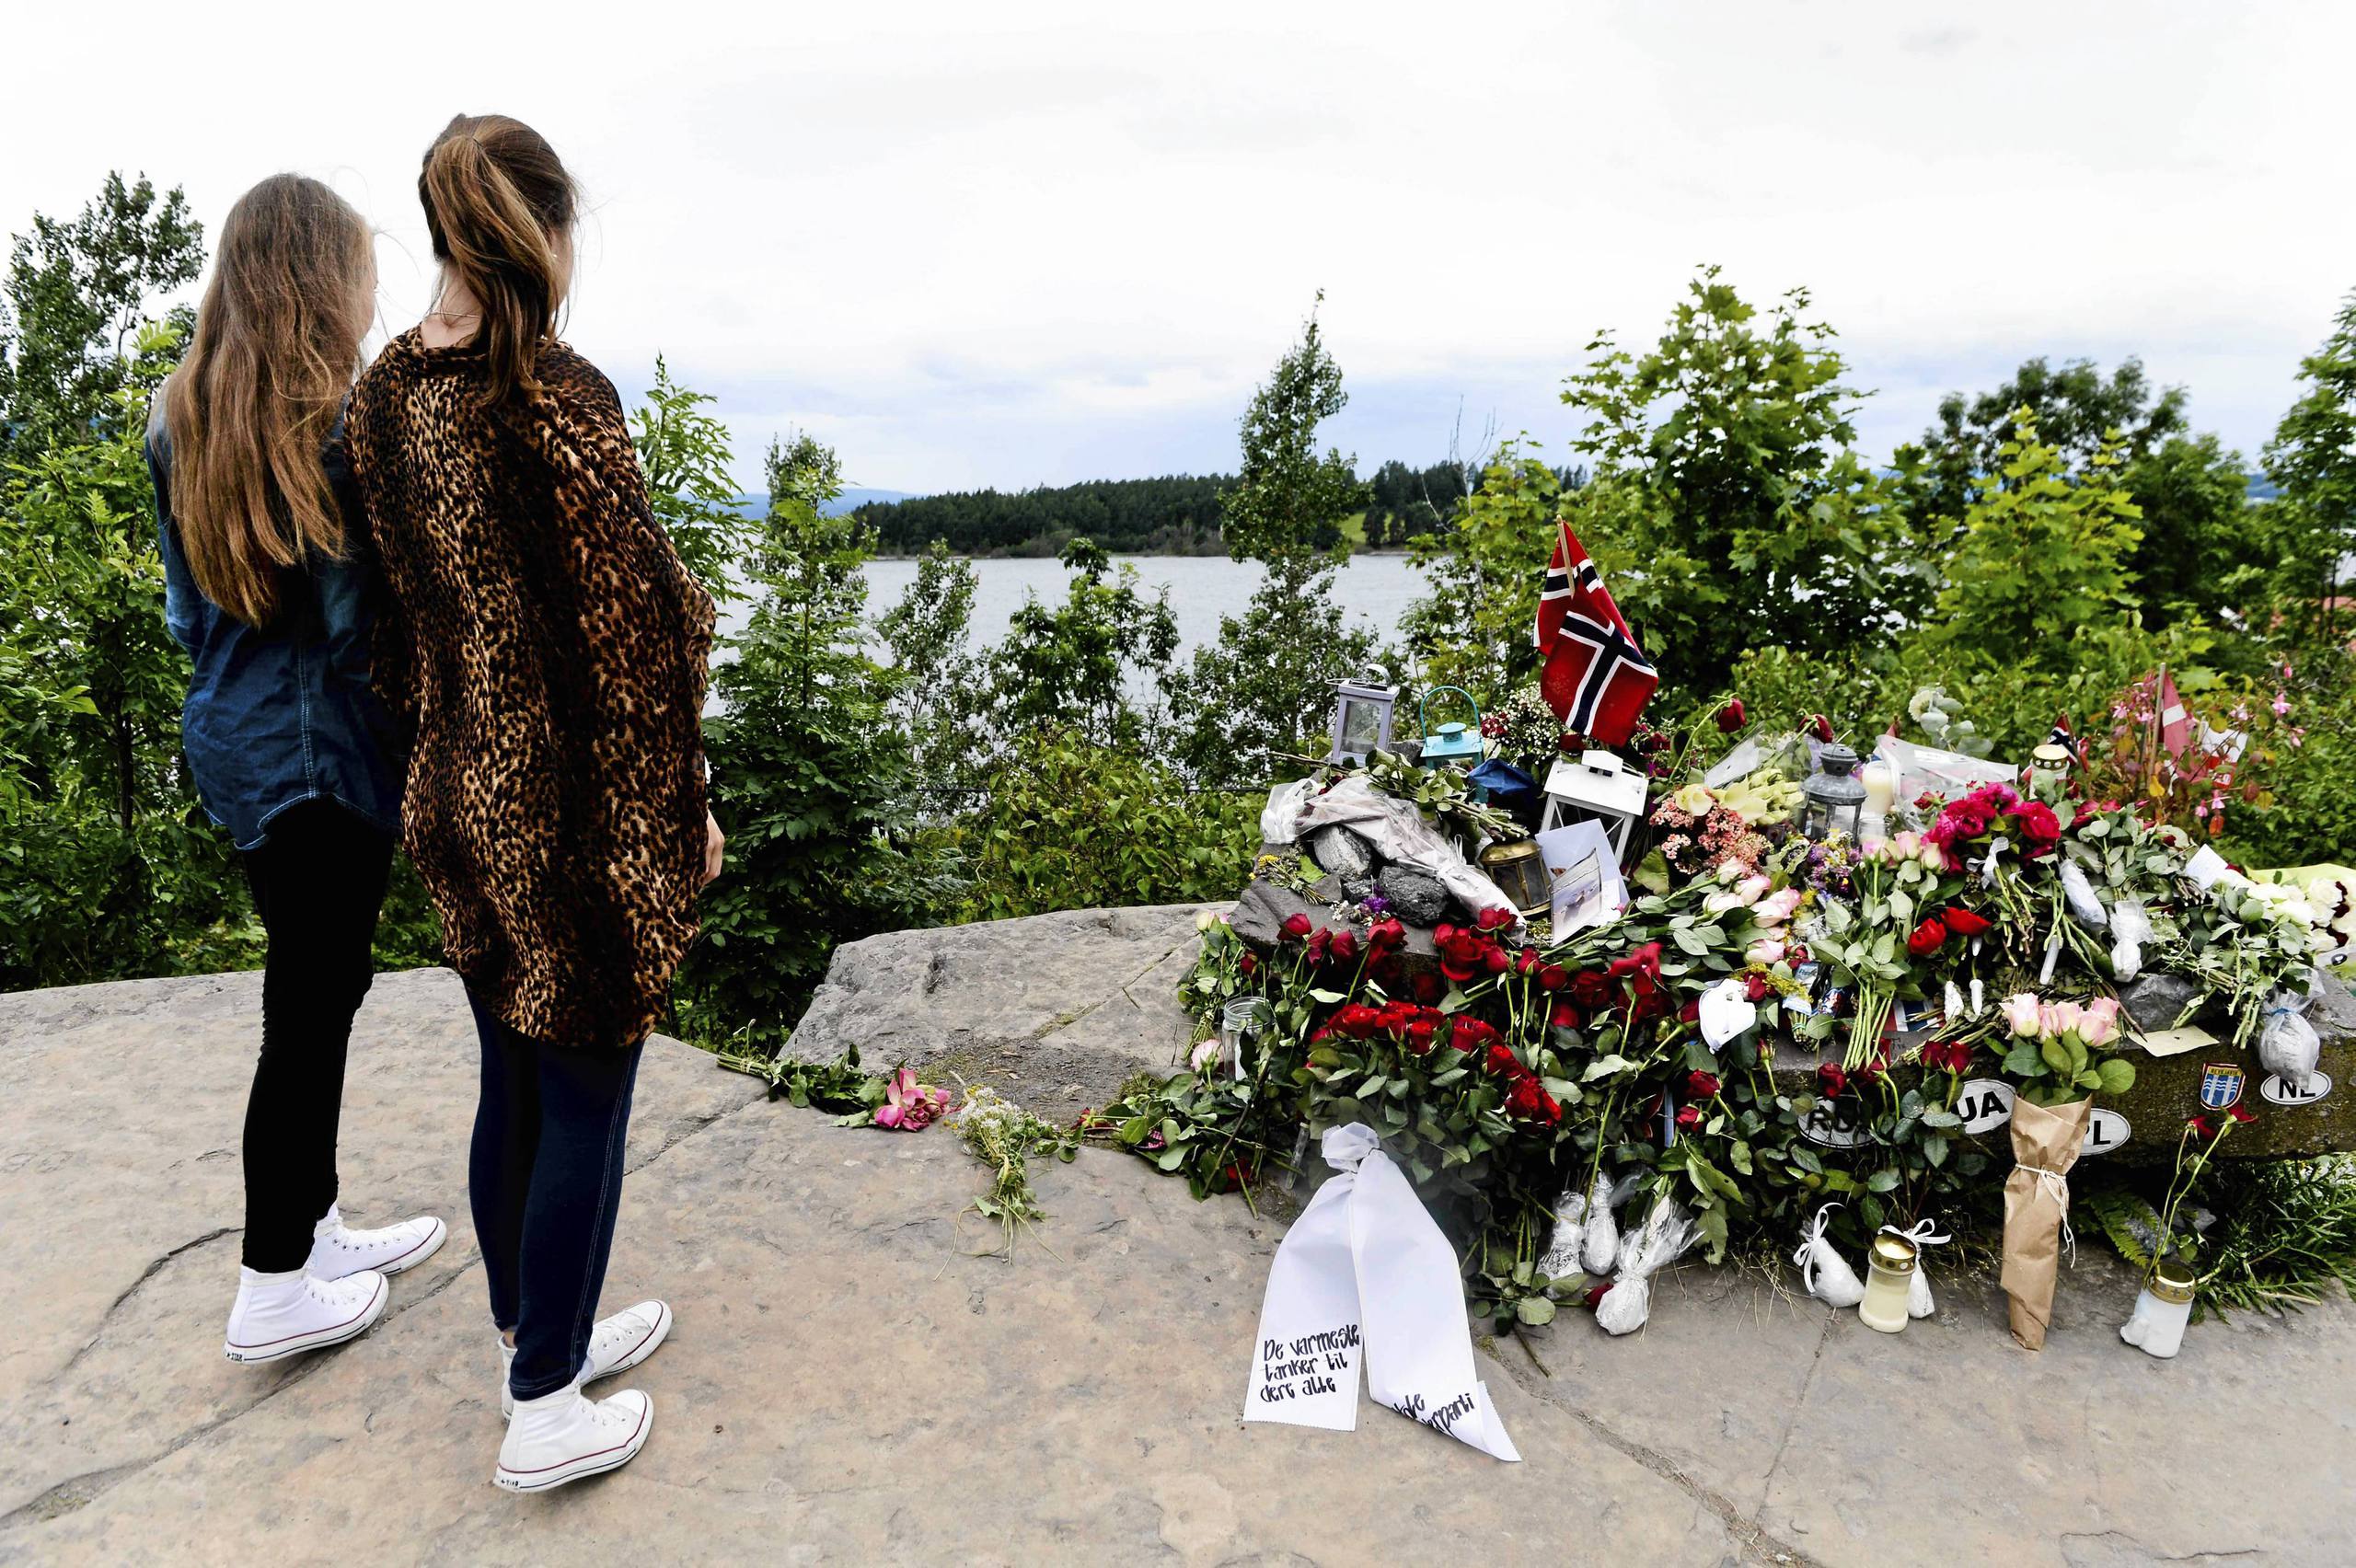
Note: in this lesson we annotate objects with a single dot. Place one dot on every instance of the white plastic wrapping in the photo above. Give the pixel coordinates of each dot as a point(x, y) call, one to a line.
point(1662, 1238)
point(2287, 1043)
point(2080, 893)
point(1395, 827)
point(1825, 1272)
point(2130, 927)
point(1565, 1251)
point(1599, 1237)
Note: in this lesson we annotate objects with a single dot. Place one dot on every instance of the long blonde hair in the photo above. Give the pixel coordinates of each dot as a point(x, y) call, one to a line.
point(498, 200)
point(249, 410)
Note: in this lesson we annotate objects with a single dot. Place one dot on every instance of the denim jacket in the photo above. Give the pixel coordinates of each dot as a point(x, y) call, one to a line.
point(283, 714)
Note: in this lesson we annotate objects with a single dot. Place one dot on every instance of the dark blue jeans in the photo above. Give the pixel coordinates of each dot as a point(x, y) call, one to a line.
point(544, 1179)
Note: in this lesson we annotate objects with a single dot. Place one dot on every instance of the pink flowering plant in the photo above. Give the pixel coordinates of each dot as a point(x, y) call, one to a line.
point(910, 1106)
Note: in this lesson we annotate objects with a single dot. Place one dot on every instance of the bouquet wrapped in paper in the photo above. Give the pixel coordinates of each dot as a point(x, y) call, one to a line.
point(2046, 1139)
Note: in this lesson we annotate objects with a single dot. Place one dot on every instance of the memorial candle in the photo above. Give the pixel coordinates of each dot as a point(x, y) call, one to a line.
point(1889, 1277)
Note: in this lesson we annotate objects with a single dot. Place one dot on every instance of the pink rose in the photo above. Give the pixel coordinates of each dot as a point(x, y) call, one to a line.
point(1766, 949)
point(2021, 1013)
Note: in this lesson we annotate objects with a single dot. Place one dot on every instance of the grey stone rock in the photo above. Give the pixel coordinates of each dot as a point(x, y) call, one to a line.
point(1341, 852)
point(1416, 897)
point(2153, 1000)
point(1069, 1408)
point(1058, 1009)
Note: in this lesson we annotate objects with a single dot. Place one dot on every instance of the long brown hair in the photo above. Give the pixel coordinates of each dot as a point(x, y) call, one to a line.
point(249, 410)
point(497, 202)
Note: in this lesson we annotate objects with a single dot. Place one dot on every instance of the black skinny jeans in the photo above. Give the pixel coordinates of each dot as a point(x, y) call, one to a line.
point(317, 883)
point(545, 1178)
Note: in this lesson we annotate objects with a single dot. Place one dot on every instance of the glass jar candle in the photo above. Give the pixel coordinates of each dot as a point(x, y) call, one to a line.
point(2162, 1311)
point(1890, 1279)
point(1237, 1023)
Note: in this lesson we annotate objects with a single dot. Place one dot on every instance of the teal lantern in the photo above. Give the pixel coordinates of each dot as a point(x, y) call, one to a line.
point(1455, 743)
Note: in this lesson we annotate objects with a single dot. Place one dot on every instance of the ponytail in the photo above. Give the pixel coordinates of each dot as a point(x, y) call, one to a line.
point(497, 200)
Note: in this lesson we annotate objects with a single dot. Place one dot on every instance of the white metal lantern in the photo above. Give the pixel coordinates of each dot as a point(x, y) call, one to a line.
point(1595, 786)
point(1362, 717)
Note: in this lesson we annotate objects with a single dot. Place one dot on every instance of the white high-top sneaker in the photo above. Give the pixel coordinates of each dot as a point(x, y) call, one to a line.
point(278, 1314)
point(565, 1435)
point(336, 1250)
point(616, 1344)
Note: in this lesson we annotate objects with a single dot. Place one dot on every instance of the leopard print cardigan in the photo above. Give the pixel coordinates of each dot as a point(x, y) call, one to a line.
point(548, 661)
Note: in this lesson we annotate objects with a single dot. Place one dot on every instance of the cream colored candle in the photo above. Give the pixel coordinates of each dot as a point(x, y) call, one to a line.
point(1889, 1277)
point(1881, 781)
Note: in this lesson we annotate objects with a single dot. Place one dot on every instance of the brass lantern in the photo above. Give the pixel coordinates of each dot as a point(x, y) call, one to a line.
point(1519, 871)
point(1361, 718)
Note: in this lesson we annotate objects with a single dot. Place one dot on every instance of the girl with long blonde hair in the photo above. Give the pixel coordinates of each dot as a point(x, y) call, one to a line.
point(269, 587)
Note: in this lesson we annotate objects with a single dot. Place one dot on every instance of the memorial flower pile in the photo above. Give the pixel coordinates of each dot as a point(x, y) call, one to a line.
point(1773, 1023)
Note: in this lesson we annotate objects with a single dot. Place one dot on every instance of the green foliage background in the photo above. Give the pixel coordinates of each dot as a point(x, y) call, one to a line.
point(2045, 543)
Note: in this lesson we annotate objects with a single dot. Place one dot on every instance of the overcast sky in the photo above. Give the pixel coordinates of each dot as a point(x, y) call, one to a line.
point(1016, 243)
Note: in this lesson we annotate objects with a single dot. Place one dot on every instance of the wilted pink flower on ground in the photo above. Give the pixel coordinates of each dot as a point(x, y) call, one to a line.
point(911, 1106)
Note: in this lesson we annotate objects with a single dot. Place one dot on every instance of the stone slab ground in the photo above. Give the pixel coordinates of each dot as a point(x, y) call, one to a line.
point(848, 1384)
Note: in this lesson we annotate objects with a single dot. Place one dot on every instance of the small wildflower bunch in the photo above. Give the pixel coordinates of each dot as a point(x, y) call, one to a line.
point(1003, 1135)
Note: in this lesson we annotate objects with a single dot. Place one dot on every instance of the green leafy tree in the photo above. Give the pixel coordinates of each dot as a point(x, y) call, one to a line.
point(76, 295)
point(809, 780)
point(1071, 825)
point(2041, 557)
point(1264, 688)
point(1290, 501)
point(2312, 459)
point(1728, 510)
point(1474, 628)
point(939, 690)
point(2077, 410)
point(1255, 693)
point(684, 454)
point(1072, 665)
point(2204, 549)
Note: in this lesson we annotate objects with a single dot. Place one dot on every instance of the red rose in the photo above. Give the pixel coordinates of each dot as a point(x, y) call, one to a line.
point(1526, 961)
point(1386, 934)
point(1472, 1033)
point(1358, 1021)
point(1319, 940)
point(2200, 1126)
point(1730, 716)
point(1251, 964)
point(1688, 1117)
point(1461, 953)
point(1503, 1062)
point(1927, 938)
point(2240, 1113)
point(2038, 826)
point(1564, 1016)
point(1529, 1101)
point(1429, 986)
point(1420, 1036)
point(1701, 1086)
point(1493, 920)
point(1591, 988)
point(1964, 923)
point(1755, 988)
point(1953, 1056)
point(1690, 1012)
point(1831, 1079)
point(1552, 976)
point(1345, 944)
point(1872, 1069)
point(1494, 960)
point(1820, 727)
point(1297, 926)
point(1596, 1293)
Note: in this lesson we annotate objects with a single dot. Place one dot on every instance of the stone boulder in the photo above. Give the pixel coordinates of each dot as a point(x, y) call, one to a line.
point(1056, 1010)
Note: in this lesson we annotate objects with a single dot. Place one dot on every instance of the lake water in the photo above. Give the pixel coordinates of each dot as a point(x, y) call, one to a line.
point(1374, 590)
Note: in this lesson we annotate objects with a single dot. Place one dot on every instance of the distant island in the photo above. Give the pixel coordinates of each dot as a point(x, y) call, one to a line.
point(1171, 514)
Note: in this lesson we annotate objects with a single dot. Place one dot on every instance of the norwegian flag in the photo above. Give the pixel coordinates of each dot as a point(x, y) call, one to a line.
point(1596, 680)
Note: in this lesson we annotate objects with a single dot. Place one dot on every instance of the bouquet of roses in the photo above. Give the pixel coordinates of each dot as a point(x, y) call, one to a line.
point(2060, 1049)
